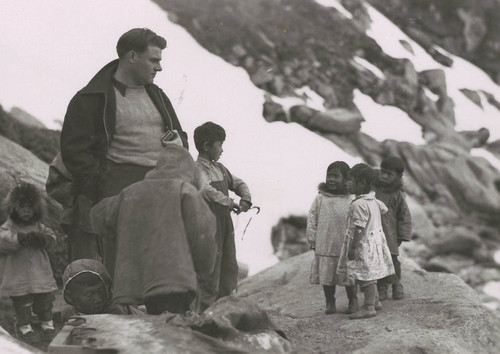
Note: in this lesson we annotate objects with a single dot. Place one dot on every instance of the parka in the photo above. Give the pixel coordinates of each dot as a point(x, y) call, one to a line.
point(158, 233)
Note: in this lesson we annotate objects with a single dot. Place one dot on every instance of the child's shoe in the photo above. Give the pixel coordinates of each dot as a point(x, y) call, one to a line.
point(378, 305)
point(398, 291)
point(48, 331)
point(353, 306)
point(382, 292)
point(28, 335)
point(330, 306)
point(366, 311)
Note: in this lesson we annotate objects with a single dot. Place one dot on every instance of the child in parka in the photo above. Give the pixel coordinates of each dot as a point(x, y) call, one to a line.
point(396, 222)
point(326, 228)
point(88, 289)
point(158, 236)
point(25, 271)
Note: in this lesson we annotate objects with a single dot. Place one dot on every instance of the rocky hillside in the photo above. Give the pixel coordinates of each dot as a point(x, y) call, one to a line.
point(440, 315)
point(290, 44)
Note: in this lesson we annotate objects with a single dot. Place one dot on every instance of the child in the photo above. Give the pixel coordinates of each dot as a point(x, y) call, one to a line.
point(215, 182)
point(326, 225)
point(87, 288)
point(159, 236)
point(25, 271)
point(367, 251)
point(397, 221)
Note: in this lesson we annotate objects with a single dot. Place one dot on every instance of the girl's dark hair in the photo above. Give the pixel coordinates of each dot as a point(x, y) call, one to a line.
point(208, 133)
point(363, 172)
point(340, 166)
point(138, 40)
point(25, 193)
point(393, 163)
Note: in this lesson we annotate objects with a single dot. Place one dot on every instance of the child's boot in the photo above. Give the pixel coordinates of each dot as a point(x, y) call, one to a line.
point(330, 298)
point(48, 331)
point(368, 309)
point(382, 292)
point(28, 335)
point(352, 294)
point(398, 291)
point(330, 306)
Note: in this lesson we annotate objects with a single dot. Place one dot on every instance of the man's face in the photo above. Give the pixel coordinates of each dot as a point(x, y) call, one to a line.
point(146, 65)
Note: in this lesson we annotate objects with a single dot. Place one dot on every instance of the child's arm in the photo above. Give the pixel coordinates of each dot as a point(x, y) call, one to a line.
point(8, 240)
point(312, 224)
point(358, 233)
point(238, 186)
point(404, 228)
point(48, 236)
point(210, 193)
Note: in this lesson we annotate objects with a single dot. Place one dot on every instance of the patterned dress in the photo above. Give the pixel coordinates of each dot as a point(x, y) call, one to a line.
point(373, 258)
point(326, 227)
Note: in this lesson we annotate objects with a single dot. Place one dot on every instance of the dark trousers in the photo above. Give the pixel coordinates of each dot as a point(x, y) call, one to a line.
point(224, 278)
point(397, 266)
point(174, 303)
point(82, 244)
point(118, 176)
point(41, 304)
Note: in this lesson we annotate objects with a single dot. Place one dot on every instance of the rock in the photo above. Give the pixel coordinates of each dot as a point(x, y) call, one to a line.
point(452, 263)
point(9, 344)
point(26, 118)
point(477, 275)
point(474, 30)
point(239, 51)
point(491, 99)
point(446, 107)
point(435, 80)
point(472, 95)
point(440, 314)
point(288, 237)
point(337, 120)
point(456, 240)
point(242, 271)
point(477, 138)
point(410, 74)
point(277, 85)
point(273, 112)
point(261, 77)
point(422, 226)
point(406, 46)
point(19, 165)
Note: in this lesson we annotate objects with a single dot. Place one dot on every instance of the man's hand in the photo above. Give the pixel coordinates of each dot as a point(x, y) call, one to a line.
point(244, 206)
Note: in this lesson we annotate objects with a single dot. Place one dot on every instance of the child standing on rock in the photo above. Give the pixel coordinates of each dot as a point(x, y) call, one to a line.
point(369, 258)
point(326, 225)
point(25, 271)
point(396, 222)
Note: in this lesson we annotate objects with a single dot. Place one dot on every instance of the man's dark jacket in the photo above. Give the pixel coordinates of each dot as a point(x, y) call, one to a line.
point(89, 127)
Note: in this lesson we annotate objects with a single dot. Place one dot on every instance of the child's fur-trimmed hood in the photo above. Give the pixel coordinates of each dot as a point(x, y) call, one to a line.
point(21, 194)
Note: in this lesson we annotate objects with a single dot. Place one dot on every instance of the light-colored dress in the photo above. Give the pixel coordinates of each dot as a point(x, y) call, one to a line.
point(326, 227)
point(373, 258)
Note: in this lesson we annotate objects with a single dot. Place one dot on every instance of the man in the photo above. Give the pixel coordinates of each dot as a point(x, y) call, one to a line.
point(112, 129)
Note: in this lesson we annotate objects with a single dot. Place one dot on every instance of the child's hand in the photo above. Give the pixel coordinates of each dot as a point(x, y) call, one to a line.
point(244, 206)
point(351, 254)
point(35, 239)
point(22, 239)
point(236, 208)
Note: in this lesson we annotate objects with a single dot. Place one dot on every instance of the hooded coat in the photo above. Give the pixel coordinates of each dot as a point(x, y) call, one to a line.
point(396, 222)
point(158, 233)
point(25, 270)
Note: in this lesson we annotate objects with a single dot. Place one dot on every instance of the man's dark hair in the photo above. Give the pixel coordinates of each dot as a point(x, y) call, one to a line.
point(393, 163)
point(363, 172)
point(208, 132)
point(138, 40)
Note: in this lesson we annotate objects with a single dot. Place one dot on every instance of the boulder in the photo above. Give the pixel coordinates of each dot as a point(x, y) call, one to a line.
point(451, 263)
point(472, 95)
point(338, 120)
point(474, 29)
point(458, 239)
point(440, 314)
point(435, 80)
point(288, 237)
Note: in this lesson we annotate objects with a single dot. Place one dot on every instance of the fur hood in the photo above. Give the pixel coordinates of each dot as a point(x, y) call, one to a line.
point(396, 186)
point(323, 188)
point(25, 193)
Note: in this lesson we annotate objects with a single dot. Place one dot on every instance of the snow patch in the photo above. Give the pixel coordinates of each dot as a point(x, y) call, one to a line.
point(311, 98)
point(370, 67)
point(337, 6)
point(431, 94)
point(492, 289)
point(386, 122)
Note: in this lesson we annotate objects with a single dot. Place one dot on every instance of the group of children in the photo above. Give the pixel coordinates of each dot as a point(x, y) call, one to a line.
point(355, 226)
point(89, 286)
